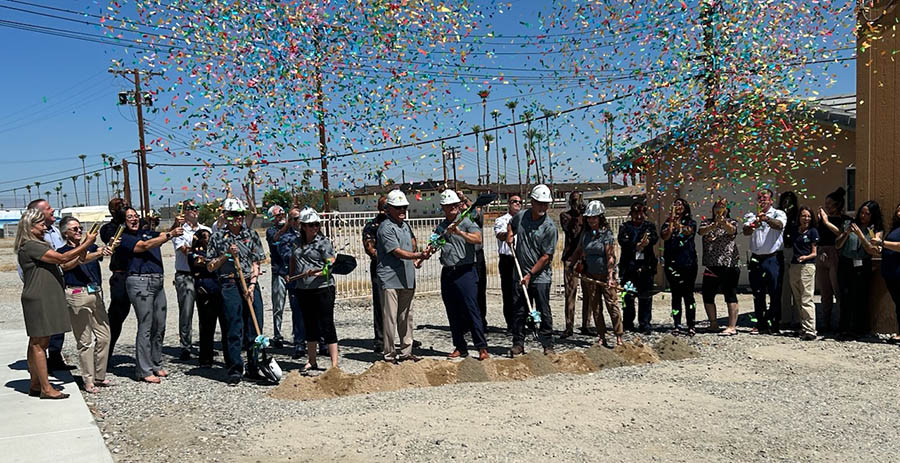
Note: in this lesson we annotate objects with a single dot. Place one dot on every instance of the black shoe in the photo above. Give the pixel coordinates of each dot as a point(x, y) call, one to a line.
point(277, 343)
point(185, 354)
point(253, 375)
point(417, 344)
point(378, 348)
point(298, 354)
point(55, 362)
point(516, 350)
point(233, 380)
point(206, 364)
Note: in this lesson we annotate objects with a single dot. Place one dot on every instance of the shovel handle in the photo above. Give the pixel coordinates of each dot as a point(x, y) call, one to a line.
point(246, 293)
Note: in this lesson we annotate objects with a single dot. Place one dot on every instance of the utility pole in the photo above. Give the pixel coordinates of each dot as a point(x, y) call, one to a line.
point(127, 181)
point(710, 53)
point(320, 113)
point(142, 151)
point(444, 163)
point(609, 141)
point(452, 153)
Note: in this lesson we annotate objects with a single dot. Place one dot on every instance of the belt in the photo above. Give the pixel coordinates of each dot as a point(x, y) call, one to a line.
point(763, 256)
point(454, 268)
point(183, 272)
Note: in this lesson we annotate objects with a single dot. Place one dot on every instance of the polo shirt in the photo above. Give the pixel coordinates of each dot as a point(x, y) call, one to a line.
point(140, 263)
point(534, 238)
point(457, 251)
point(393, 272)
point(84, 274)
point(312, 256)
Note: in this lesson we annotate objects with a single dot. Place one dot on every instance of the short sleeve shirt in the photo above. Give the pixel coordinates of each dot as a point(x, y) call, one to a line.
point(370, 230)
point(890, 263)
point(679, 250)
point(140, 263)
point(853, 247)
point(391, 271)
point(249, 245)
point(84, 274)
point(534, 238)
point(803, 243)
point(720, 247)
point(500, 227)
point(478, 219)
point(279, 263)
point(457, 251)
point(594, 243)
point(186, 239)
point(312, 256)
point(765, 239)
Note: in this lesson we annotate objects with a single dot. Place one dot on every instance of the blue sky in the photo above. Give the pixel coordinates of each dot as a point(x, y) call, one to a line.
point(59, 101)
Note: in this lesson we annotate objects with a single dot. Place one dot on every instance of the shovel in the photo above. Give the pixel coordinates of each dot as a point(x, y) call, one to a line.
point(343, 264)
point(534, 317)
point(267, 366)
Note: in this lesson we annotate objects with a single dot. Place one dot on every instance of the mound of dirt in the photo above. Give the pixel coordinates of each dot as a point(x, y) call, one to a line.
point(637, 353)
point(442, 373)
point(604, 358)
point(509, 370)
point(538, 363)
point(672, 348)
point(383, 376)
point(472, 371)
point(335, 382)
point(294, 386)
point(573, 361)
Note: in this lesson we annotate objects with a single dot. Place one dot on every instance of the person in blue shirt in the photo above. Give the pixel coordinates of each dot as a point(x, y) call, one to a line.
point(890, 263)
point(144, 285)
point(637, 266)
point(274, 234)
point(680, 261)
point(90, 322)
point(803, 271)
point(855, 267)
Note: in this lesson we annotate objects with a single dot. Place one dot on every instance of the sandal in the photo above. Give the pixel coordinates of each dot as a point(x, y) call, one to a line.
point(91, 388)
point(728, 333)
point(104, 383)
point(151, 379)
point(309, 367)
point(162, 373)
point(60, 396)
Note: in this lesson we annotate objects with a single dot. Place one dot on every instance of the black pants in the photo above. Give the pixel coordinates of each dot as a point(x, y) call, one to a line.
point(854, 295)
point(540, 295)
point(508, 283)
point(642, 279)
point(765, 276)
point(893, 286)
point(681, 281)
point(210, 309)
point(720, 280)
point(458, 290)
point(377, 316)
point(318, 314)
point(481, 268)
point(119, 306)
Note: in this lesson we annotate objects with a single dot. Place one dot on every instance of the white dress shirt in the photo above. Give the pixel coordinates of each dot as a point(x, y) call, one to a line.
point(765, 239)
point(500, 227)
point(186, 239)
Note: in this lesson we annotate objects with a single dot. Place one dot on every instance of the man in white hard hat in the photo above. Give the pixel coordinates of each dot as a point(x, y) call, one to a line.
point(396, 251)
point(184, 279)
point(533, 236)
point(506, 266)
point(459, 279)
point(279, 227)
point(235, 238)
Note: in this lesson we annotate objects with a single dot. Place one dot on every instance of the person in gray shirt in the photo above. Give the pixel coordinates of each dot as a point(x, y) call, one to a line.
point(533, 235)
point(459, 278)
point(395, 253)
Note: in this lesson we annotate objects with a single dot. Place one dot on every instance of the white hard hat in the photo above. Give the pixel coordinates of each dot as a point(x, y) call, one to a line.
point(541, 193)
point(309, 215)
point(234, 205)
point(396, 198)
point(276, 209)
point(449, 197)
point(595, 208)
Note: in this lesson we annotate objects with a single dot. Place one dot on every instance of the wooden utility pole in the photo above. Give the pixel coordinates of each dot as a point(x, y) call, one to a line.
point(710, 53)
point(142, 150)
point(320, 113)
point(609, 143)
point(444, 163)
point(127, 181)
point(451, 152)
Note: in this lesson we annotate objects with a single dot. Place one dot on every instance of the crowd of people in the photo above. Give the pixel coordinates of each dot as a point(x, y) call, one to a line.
point(793, 250)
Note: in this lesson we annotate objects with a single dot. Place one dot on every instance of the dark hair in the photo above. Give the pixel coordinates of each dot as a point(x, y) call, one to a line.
point(788, 203)
point(603, 222)
point(637, 205)
point(838, 197)
point(33, 204)
point(200, 235)
point(687, 209)
point(766, 191)
point(812, 222)
point(877, 220)
point(895, 221)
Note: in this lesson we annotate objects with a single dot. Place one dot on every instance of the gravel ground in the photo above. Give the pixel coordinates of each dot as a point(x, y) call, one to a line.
point(747, 398)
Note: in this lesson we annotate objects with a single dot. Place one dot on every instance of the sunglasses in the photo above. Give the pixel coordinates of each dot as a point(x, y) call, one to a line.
point(515, 201)
point(314, 224)
point(295, 218)
point(192, 208)
point(77, 229)
point(402, 208)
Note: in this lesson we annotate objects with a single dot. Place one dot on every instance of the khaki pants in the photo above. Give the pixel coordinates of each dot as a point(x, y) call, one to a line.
point(90, 326)
point(803, 283)
point(571, 283)
point(396, 306)
point(594, 297)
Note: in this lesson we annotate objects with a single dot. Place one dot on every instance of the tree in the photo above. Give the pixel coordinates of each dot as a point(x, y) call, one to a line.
point(277, 196)
point(58, 188)
point(65, 196)
point(512, 107)
point(529, 152)
point(483, 94)
point(84, 174)
point(37, 188)
point(538, 136)
point(477, 129)
point(28, 187)
point(496, 115)
point(105, 170)
point(504, 166)
point(115, 185)
point(547, 115)
point(209, 212)
point(488, 138)
point(75, 187)
point(87, 190)
point(97, 177)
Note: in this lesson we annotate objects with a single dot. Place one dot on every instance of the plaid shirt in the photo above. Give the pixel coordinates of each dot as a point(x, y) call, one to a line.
point(250, 250)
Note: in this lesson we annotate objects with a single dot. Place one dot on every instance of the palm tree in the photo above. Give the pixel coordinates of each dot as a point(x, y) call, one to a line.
point(529, 152)
point(84, 173)
point(65, 195)
point(58, 188)
point(504, 165)
point(105, 175)
point(488, 138)
point(512, 107)
point(115, 185)
point(15, 198)
point(97, 176)
point(476, 129)
point(483, 94)
point(538, 136)
point(547, 115)
point(37, 188)
point(87, 190)
point(75, 187)
point(28, 187)
point(496, 115)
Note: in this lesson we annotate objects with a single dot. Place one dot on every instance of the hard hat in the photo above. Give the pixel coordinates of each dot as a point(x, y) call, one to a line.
point(541, 193)
point(396, 198)
point(309, 215)
point(449, 197)
point(595, 208)
point(276, 209)
point(234, 205)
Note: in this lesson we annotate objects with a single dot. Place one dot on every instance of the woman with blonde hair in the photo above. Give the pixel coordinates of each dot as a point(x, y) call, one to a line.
point(43, 297)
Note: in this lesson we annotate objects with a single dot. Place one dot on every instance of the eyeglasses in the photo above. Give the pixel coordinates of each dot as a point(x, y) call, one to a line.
point(76, 229)
point(515, 201)
point(402, 208)
point(295, 218)
point(314, 224)
point(192, 208)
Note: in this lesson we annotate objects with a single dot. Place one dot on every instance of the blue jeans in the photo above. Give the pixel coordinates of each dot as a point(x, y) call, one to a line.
point(278, 293)
point(298, 329)
point(765, 278)
point(241, 332)
point(459, 290)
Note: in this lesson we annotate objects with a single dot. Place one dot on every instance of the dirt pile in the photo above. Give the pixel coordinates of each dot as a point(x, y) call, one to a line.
point(383, 376)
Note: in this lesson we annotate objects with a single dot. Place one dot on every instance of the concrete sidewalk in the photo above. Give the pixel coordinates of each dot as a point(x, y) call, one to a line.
point(34, 430)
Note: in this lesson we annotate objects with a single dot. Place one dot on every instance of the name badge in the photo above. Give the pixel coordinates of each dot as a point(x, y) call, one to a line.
point(857, 262)
point(639, 256)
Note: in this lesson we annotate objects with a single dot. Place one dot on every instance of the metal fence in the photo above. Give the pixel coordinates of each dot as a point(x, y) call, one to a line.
point(345, 231)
